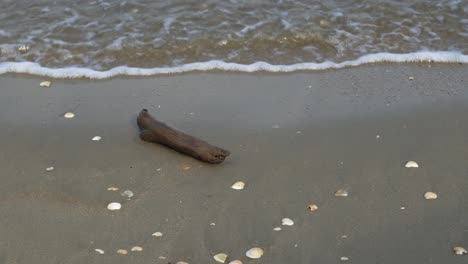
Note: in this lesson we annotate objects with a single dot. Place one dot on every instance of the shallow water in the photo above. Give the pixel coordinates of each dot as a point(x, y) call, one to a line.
point(101, 35)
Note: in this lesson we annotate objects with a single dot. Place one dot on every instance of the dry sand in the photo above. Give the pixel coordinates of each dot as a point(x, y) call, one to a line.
point(358, 127)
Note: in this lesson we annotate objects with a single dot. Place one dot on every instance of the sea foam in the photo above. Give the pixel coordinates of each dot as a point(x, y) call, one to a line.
point(78, 72)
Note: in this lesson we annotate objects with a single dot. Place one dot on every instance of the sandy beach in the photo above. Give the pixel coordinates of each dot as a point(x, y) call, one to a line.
point(295, 140)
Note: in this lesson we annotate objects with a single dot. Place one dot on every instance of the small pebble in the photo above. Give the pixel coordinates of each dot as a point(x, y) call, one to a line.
point(235, 262)
point(96, 138)
point(100, 251)
point(287, 222)
point(182, 262)
point(137, 248)
point(377, 136)
point(162, 257)
point(221, 257)
point(254, 253)
point(298, 132)
point(402, 208)
point(157, 234)
point(411, 78)
point(277, 229)
point(411, 164)
point(114, 206)
point(312, 207)
point(50, 169)
point(459, 251)
point(341, 193)
point(113, 189)
point(430, 196)
point(127, 193)
point(344, 258)
point(238, 185)
point(69, 115)
point(185, 167)
point(122, 252)
point(135, 10)
point(45, 84)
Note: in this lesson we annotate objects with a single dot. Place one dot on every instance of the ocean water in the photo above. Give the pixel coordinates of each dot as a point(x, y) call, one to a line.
point(99, 38)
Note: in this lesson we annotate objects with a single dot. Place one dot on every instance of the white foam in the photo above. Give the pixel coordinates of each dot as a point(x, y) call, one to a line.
point(77, 72)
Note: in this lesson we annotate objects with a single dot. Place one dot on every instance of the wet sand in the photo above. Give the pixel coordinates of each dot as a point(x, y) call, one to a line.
point(295, 139)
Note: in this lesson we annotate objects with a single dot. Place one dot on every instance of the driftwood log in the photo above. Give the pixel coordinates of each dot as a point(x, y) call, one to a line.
point(155, 131)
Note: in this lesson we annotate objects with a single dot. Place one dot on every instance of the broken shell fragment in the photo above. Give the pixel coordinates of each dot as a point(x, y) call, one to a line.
point(411, 164)
point(137, 248)
point(122, 252)
point(238, 185)
point(235, 262)
point(277, 229)
point(45, 84)
point(341, 193)
point(411, 78)
point(96, 138)
point(100, 251)
point(460, 251)
point(287, 222)
point(50, 169)
point(23, 48)
point(221, 257)
point(182, 262)
point(127, 193)
point(254, 253)
point(69, 115)
point(114, 206)
point(185, 167)
point(430, 196)
point(113, 189)
point(344, 258)
point(312, 207)
point(157, 234)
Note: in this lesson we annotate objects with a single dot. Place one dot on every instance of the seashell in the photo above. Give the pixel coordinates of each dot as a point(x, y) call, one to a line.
point(430, 196)
point(127, 193)
point(235, 262)
point(69, 115)
point(277, 229)
point(136, 248)
point(113, 189)
point(45, 84)
point(221, 257)
point(344, 258)
point(96, 138)
point(50, 169)
point(100, 251)
point(122, 252)
point(162, 257)
point(185, 167)
point(23, 48)
point(411, 78)
point(157, 234)
point(212, 224)
point(238, 185)
point(341, 193)
point(114, 206)
point(460, 251)
point(411, 164)
point(287, 222)
point(254, 253)
point(312, 207)
point(182, 262)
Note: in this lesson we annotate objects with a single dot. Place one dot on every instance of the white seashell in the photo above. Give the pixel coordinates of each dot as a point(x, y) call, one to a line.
point(136, 248)
point(312, 207)
point(23, 48)
point(221, 257)
point(287, 222)
point(344, 258)
point(45, 84)
point(157, 234)
point(113, 189)
point(69, 115)
point(235, 262)
point(238, 185)
point(100, 251)
point(402, 208)
point(411, 164)
point(127, 193)
point(212, 224)
point(430, 196)
point(122, 252)
point(50, 169)
point(162, 257)
point(277, 229)
point(254, 253)
point(182, 262)
point(341, 193)
point(460, 251)
point(96, 138)
point(114, 206)
point(411, 78)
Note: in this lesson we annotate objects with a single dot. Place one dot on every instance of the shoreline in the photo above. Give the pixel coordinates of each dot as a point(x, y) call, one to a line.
point(358, 127)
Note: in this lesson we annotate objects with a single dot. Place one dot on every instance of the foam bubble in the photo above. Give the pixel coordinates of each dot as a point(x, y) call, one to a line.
point(77, 72)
